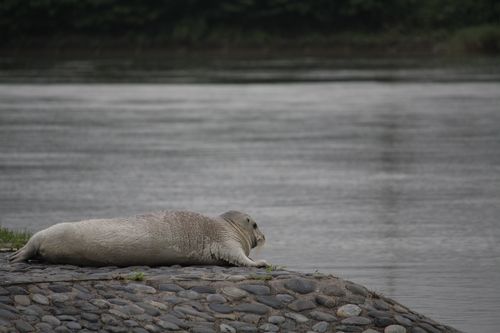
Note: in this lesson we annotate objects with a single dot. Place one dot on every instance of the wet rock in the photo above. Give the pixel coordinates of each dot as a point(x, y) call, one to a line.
point(356, 320)
point(234, 293)
point(252, 308)
point(297, 317)
point(137, 287)
point(204, 289)
point(23, 326)
point(276, 320)
point(301, 286)
point(269, 327)
point(271, 301)
point(57, 288)
point(22, 300)
point(381, 305)
point(348, 310)
point(326, 301)
point(357, 289)
point(320, 327)
point(333, 290)
point(322, 316)
point(402, 320)
point(40, 299)
point(302, 305)
point(224, 328)
point(216, 298)
point(51, 320)
point(169, 287)
point(285, 298)
point(219, 307)
point(395, 329)
point(256, 289)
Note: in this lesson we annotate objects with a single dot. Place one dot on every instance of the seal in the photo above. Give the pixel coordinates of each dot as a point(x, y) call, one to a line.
point(161, 238)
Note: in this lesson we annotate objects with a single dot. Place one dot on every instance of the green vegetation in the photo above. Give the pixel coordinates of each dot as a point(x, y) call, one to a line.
point(272, 268)
point(457, 25)
point(10, 239)
point(136, 276)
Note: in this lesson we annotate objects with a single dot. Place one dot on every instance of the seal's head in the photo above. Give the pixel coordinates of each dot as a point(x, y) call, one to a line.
point(246, 227)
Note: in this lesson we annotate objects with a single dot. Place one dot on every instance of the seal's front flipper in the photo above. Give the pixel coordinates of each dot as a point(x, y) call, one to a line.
point(240, 259)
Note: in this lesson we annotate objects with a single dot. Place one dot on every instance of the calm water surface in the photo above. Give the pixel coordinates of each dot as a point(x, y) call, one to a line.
point(387, 177)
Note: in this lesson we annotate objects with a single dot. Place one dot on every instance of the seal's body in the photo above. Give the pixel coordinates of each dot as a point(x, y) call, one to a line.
point(163, 238)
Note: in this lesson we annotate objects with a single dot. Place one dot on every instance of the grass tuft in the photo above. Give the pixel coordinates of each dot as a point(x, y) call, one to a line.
point(136, 276)
point(11, 239)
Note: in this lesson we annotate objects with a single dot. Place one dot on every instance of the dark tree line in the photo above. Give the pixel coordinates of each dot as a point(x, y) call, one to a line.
point(198, 20)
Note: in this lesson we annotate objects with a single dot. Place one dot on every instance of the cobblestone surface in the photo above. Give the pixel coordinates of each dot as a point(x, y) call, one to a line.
point(38, 297)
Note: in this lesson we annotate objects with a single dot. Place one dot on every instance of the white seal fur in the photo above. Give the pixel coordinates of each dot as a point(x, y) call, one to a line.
point(162, 238)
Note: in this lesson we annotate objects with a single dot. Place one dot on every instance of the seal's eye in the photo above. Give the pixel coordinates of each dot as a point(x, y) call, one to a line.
point(255, 225)
point(248, 220)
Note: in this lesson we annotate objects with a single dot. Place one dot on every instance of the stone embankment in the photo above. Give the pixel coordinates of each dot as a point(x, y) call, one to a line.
point(63, 298)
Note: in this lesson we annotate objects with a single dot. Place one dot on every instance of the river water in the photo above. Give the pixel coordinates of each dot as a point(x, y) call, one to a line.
point(385, 175)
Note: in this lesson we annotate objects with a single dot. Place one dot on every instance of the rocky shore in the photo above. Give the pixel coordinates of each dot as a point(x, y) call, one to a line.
point(38, 297)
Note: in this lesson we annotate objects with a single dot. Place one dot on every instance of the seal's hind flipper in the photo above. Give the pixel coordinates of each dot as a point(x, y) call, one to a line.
point(23, 254)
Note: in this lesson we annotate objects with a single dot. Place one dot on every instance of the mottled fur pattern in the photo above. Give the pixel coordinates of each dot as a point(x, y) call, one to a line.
point(162, 238)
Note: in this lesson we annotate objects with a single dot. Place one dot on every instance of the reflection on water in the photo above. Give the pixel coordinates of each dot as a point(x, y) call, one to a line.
point(394, 185)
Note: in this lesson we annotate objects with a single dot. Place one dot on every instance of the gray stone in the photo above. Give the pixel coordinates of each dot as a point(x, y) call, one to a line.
point(349, 328)
point(251, 318)
point(271, 301)
point(216, 298)
point(269, 327)
point(100, 303)
point(169, 287)
point(152, 328)
point(429, 328)
point(131, 309)
point(8, 308)
point(58, 288)
point(320, 327)
point(92, 317)
point(16, 290)
point(109, 319)
point(348, 310)
point(42, 327)
point(23, 326)
point(189, 294)
point(130, 323)
point(333, 290)
point(204, 289)
point(302, 305)
point(381, 305)
point(297, 317)
point(417, 329)
point(5, 314)
point(202, 329)
point(225, 328)
point(73, 325)
point(139, 330)
point(379, 314)
point(62, 329)
point(119, 314)
point(6, 300)
point(252, 308)
point(395, 329)
point(301, 286)
point(167, 325)
point(4, 292)
point(285, 298)
point(174, 320)
point(137, 287)
point(256, 289)
point(356, 320)
point(150, 310)
point(193, 312)
point(357, 289)
point(322, 316)
point(23, 300)
point(326, 301)
point(53, 321)
point(277, 320)
point(40, 299)
point(59, 298)
point(403, 321)
point(370, 330)
point(221, 308)
point(116, 329)
point(234, 293)
point(383, 321)
point(289, 325)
